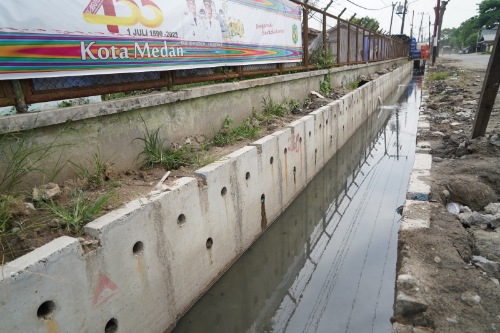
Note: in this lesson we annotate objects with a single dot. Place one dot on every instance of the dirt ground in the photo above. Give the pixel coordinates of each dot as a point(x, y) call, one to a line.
point(450, 271)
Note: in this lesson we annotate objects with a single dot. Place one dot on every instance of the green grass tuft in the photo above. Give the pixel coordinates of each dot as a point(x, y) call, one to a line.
point(249, 129)
point(81, 211)
point(352, 85)
point(437, 76)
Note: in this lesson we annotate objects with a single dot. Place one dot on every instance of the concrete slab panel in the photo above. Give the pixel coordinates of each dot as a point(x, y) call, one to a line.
point(422, 162)
point(271, 181)
point(251, 210)
point(416, 215)
point(294, 149)
point(331, 132)
point(43, 288)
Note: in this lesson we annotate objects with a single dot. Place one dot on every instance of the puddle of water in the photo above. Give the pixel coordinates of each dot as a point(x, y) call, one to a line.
point(328, 263)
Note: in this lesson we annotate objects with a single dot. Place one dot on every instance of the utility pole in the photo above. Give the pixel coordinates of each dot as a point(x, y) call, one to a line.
point(442, 8)
point(420, 29)
point(434, 40)
point(429, 41)
point(392, 15)
point(412, 17)
point(404, 14)
point(489, 91)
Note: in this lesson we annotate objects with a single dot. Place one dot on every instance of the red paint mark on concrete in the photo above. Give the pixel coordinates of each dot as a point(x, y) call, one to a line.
point(104, 290)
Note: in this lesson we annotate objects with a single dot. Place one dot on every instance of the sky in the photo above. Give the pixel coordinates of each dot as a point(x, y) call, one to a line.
point(456, 12)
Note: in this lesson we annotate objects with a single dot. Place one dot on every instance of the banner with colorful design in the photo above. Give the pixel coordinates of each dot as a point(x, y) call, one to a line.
point(50, 38)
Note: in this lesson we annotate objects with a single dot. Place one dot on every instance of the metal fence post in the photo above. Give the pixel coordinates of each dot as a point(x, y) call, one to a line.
point(20, 101)
point(305, 37)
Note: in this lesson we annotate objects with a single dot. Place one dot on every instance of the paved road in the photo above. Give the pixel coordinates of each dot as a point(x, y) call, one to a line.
point(475, 58)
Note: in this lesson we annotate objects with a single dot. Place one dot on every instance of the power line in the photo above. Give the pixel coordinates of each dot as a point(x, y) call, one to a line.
point(355, 4)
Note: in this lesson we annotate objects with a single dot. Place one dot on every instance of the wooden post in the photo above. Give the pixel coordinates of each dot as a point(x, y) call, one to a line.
point(489, 91)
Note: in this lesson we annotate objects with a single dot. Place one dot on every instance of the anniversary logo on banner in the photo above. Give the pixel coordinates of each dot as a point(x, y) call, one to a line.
point(49, 38)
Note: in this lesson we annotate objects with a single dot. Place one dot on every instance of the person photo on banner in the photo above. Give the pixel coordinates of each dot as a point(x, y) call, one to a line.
point(192, 23)
point(212, 25)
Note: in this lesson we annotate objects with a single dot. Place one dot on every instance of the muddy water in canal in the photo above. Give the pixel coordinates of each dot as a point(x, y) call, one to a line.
point(327, 264)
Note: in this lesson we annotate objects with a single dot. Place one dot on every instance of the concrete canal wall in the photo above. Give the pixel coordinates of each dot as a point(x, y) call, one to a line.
point(110, 128)
point(157, 255)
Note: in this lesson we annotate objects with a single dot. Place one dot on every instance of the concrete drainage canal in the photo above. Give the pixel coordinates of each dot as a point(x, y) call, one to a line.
point(328, 263)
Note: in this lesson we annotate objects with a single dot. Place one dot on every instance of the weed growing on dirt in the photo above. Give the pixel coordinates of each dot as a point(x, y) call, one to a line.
point(81, 211)
point(352, 85)
point(293, 105)
point(325, 86)
point(171, 158)
point(5, 213)
point(227, 135)
point(21, 158)
point(153, 147)
point(99, 171)
point(437, 76)
point(270, 108)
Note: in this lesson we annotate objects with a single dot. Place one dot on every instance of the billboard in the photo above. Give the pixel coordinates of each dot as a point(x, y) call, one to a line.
point(50, 38)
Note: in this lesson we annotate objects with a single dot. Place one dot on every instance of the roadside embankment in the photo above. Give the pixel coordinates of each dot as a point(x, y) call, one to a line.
point(448, 253)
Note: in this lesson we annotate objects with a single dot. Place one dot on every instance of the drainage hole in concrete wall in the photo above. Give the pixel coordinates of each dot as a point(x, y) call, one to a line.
point(247, 176)
point(138, 248)
point(181, 219)
point(331, 139)
point(223, 192)
point(46, 309)
point(111, 326)
point(309, 133)
point(320, 126)
point(327, 121)
point(271, 160)
point(300, 139)
point(285, 151)
point(263, 198)
point(210, 243)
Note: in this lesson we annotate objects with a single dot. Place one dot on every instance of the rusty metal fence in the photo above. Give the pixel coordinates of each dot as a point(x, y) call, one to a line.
point(357, 45)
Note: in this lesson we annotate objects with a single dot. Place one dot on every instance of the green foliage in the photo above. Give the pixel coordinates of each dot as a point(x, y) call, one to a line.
point(98, 173)
point(467, 34)
point(352, 85)
point(5, 213)
point(325, 86)
point(367, 22)
point(71, 102)
point(227, 135)
point(489, 12)
point(81, 211)
point(64, 104)
point(153, 147)
point(293, 105)
point(274, 109)
point(437, 76)
point(319, 58)
point(171, 158)
point(20, 159)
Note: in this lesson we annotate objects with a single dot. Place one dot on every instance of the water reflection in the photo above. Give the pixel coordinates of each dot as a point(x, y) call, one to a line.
point(328, 263)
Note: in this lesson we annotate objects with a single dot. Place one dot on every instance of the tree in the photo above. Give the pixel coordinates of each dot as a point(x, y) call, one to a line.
point(489, 12)
point(367, 23)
